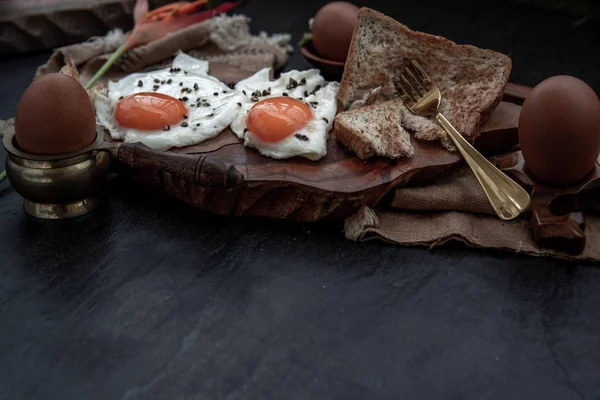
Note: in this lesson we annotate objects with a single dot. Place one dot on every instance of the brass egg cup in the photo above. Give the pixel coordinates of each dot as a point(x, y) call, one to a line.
point(58, 187)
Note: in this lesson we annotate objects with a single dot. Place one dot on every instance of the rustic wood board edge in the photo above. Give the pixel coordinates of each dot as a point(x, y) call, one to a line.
point(271, 189)
point(563, 231)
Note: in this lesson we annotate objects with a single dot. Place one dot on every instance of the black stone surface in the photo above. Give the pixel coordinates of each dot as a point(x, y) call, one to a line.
point(150, 299)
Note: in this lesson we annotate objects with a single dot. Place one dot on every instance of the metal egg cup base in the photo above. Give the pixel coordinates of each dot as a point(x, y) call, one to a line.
point(58, 187)
point(61, 211)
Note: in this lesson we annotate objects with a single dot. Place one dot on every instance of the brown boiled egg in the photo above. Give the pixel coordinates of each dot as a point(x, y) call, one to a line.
point(332, 30)
point(55, 116)
point(559, 131)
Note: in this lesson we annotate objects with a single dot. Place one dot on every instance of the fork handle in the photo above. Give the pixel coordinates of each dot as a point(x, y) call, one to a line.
point(507, 198)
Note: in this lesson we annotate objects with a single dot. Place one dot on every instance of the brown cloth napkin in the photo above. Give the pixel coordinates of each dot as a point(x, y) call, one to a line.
point(455, 208)
point(224, 40)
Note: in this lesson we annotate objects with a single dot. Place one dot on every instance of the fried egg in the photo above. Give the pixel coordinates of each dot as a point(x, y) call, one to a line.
point(289, 117)
point(172, 107)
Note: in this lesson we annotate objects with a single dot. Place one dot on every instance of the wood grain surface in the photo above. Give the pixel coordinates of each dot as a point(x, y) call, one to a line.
point(333, 187)
point(224, 177)
point(558, 226)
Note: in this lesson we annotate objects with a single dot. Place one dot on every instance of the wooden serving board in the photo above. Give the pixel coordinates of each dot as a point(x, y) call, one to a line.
point(222, 176)
point(298, 189)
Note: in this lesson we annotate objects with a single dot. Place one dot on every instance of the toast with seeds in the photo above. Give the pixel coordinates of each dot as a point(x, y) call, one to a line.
point(471, 80)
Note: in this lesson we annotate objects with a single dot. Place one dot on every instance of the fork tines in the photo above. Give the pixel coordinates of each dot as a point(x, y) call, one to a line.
point(413, 83)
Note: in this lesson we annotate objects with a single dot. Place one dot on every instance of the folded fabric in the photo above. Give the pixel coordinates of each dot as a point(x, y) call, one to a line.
point(456, 208)
point(223, 39)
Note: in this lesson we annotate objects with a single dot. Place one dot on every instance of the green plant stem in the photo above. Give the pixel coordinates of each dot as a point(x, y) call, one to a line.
point(306, 38)
point(106, 66)
point(2, 176)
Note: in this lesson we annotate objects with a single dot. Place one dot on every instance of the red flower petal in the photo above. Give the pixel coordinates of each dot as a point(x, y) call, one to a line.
point(147, 32)
point(140, 10)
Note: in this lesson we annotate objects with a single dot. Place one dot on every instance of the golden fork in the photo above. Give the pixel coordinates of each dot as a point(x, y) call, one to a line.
point(423, 98)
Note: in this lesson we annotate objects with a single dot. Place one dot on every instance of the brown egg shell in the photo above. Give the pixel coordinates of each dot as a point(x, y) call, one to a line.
point(332, 30)
point(559, 131)
point(54, 117)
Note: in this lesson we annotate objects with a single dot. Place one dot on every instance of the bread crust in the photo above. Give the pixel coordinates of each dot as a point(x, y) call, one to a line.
point(471, 80)
point(356, 142)
point(389, 139)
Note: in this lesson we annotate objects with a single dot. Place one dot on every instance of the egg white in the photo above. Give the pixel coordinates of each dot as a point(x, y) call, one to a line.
point(322, 102)
point(203, 122)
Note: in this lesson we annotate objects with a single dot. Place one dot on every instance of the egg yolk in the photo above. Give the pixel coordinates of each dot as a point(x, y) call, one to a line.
point(276, 118)
point(149, 111)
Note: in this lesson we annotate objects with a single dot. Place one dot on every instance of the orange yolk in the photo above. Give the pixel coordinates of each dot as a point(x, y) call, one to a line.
point(149, 111)
point(274, 119)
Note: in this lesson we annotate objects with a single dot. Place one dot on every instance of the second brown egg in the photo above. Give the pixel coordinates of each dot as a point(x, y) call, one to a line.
point(332, 29)
point(559, 131)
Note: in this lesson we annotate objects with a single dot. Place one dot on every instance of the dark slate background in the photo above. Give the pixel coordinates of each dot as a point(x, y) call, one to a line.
point(150, 299)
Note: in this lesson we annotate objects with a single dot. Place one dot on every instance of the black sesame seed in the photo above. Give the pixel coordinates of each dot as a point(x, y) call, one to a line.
point(211, 115)
point(180, 83)
point(121, 98)
point(166, 128)
point(303, 81)
point(304, 138)
point(231, 85)
point(305, 93)
point(185, 72)
point(206, 104)
point(285, 94)
point(300, 98)
point(197, 124)
point(215, 93)
point(245, 130)
point(256, 93)
point(184, 99)
point(156, 80)
point(255, 99)
point(243, 91)
point(196, 87)
point(169, 80)
point(185, 116)
point(162, 82)
point(224, 91)
point(184, 124)
point(316, 89)
point(140, 83)
point(155, 87)
point(314, 104)
point(239, 104)
point(265, 93)
point(293, 83)
point(325, 119)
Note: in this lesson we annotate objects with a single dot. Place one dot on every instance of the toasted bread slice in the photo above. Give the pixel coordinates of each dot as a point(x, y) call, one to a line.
point(471, 80)
point(374, 130)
